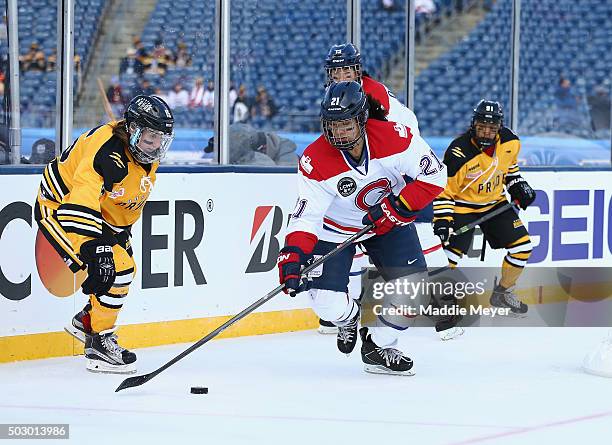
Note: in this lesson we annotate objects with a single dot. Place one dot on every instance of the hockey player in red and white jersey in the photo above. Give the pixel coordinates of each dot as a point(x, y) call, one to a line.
point(343, 63)
point(351, 176)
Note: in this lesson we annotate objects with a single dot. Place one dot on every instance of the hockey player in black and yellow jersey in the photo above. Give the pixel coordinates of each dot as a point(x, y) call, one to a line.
point(88, 200)
point(481, 163)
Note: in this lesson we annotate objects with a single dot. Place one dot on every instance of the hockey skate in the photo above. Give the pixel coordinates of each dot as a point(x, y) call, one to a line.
point(505, 298)
point(599, 361)
point(449, 334)
point(103, 354)
point(327, 327)
point(383, 360)
point(347, 335)
point(80, 325)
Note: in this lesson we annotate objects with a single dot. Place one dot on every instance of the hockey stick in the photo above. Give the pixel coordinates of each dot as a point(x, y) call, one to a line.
point(141, 379)
point(487, 217)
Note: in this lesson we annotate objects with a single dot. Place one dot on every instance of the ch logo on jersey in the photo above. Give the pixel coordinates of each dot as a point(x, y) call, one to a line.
point(347, 186)
point(372, 193)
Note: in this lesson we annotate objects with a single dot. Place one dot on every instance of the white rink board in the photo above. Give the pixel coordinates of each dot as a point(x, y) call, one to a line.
point(226, 248)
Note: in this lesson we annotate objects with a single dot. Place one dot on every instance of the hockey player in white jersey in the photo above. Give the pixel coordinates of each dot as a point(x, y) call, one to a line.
point(351, 176)
point(343, 63)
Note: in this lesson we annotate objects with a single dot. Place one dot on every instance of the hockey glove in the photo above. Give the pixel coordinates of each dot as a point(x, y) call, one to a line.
point(97, 254)
point(442, 228)
point(290, 262)
point(521, 192)
point(388, 214)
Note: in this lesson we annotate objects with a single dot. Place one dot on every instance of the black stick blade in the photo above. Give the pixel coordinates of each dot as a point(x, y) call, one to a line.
point(130, 382)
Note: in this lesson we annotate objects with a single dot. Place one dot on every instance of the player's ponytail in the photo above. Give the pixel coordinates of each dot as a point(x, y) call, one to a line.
point(376, 110)
point(120, 130)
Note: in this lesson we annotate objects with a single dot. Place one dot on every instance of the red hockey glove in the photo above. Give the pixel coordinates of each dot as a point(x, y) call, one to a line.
point(290, 262)
point(388, 214)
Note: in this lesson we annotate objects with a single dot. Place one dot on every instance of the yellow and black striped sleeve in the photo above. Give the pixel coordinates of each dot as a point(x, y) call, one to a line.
point(80, 212)
point(511, 140)
point(455, 158)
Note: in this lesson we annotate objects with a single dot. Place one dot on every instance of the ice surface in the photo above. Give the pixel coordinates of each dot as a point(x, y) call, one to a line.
point(492, 385)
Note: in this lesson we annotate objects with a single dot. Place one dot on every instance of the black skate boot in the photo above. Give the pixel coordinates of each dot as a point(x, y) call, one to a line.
point(104, 354)
point(383, 360)
point(327, 327)
point(80, 325)
point(502, 297)
point(347, 335)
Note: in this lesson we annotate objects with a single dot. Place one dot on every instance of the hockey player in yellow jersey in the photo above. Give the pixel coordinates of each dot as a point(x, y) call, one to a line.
point(88, 200)
point(481, 163)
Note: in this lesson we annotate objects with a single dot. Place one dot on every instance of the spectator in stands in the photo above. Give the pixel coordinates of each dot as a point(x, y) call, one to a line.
point(424, 8)
point(159, 93)
point(196, 95)
point(3, 29)
point(233, 94)
point(242, 106)
point(115, 97)
point(77, 64)
point(130, 63)
point(566, 103)
point(33, 60)
point(178, 97)
point(264, 105)
point(565, 98)
point(144, 88)
point(182, 57)
point(599, 106)
point(52, 60)
point(208, 101)
point(388, 5)
point(161, 58)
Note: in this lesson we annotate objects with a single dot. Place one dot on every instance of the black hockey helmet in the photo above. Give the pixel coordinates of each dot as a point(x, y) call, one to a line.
point(487, 112)
point(344, 56)
point(344, 112)
point(150, 125)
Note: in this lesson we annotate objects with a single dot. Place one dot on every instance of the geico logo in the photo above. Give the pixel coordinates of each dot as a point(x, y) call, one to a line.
point(157, 223)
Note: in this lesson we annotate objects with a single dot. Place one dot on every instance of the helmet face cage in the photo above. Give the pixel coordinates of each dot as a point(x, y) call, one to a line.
point(148, 145)
point(344, 73)
point(491, 114)
point(343, 63)
point(344, 134)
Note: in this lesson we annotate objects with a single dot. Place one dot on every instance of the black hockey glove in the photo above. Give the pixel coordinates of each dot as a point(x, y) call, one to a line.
point(521, 192)
point(97, 254)
point(290, 262)
point(442, 228)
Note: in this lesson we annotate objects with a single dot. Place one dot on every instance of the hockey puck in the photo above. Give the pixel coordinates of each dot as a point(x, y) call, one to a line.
point(199, 390)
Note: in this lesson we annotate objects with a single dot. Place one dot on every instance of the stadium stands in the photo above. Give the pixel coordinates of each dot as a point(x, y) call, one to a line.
point(38, 23)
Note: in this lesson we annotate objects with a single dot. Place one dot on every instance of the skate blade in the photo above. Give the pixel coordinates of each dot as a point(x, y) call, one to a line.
point(376, 369)
point(327, 330)
point(74, 332)
point(99, 367)
point(451, 334)
point(598, 372)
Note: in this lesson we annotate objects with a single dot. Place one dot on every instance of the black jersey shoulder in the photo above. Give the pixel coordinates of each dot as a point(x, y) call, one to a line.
point(460, 151)
point(507, 135)
point(111, 162)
